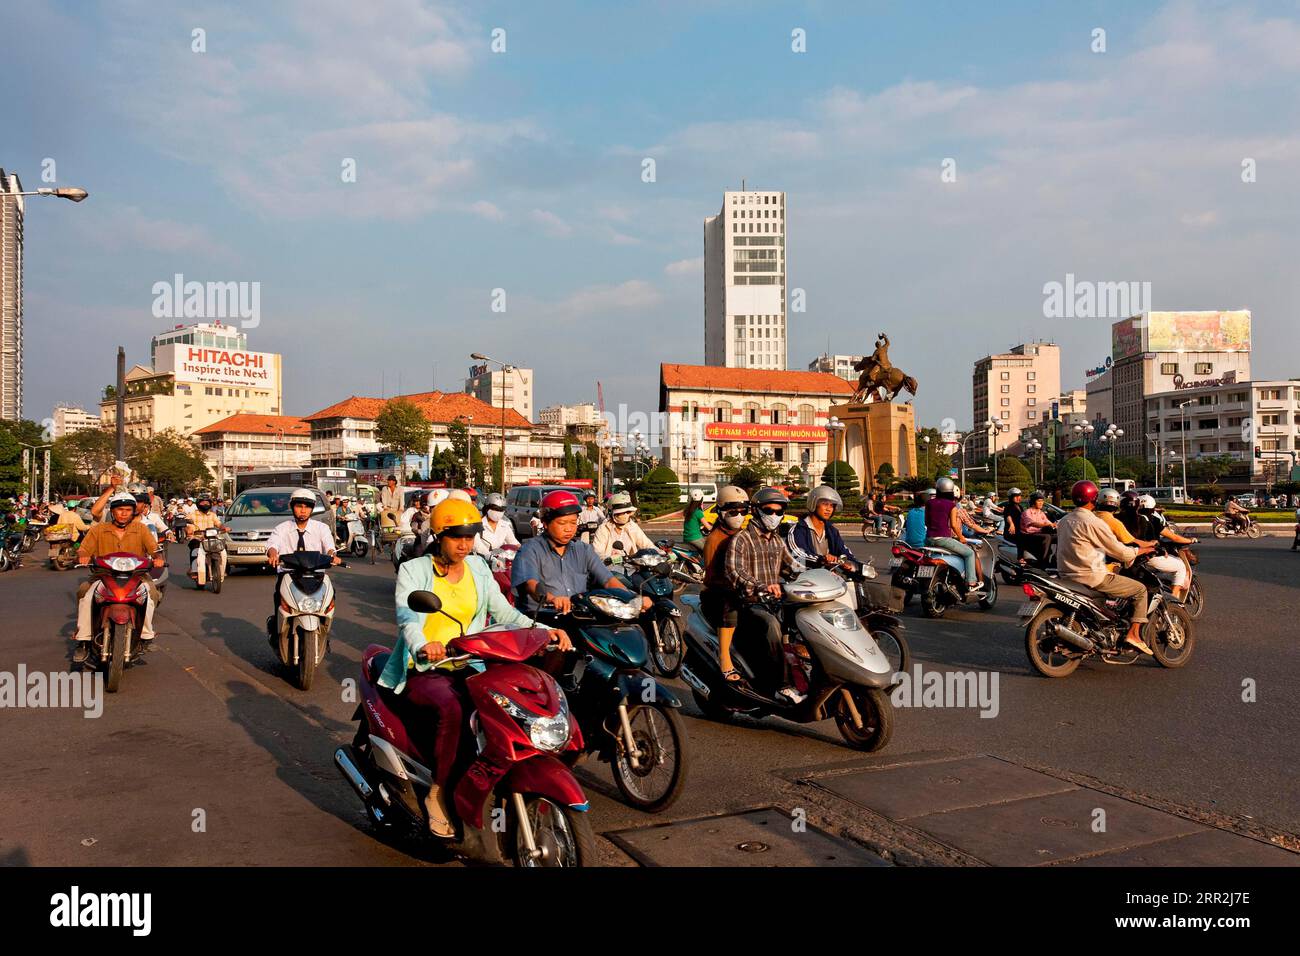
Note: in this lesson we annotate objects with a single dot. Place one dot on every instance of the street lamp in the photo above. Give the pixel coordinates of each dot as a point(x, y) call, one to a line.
point(1111, 437)
point(836, 428)
point(925, 441)
point(71, 193)
point(1182, 412)
point(31, 472)
point(505, 370)
point(1036, 446)
point(996, 427)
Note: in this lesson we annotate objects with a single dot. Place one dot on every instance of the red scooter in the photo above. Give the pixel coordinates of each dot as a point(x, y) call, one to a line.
point(121, 583)
point(501, 561)
point(518, 802)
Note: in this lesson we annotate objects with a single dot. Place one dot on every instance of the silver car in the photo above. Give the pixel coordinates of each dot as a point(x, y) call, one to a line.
point(253, 516)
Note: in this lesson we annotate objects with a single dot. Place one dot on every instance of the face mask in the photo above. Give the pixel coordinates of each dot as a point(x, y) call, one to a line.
point(623, 519)
point(205, 508)
point(733, 521)
point(495, 513)
point(769, 522)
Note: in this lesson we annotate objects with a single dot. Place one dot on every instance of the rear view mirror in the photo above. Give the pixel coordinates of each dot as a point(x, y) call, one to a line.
point(618, 546)
point(426, 602)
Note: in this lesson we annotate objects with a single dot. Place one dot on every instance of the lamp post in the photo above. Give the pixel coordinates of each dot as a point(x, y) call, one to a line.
point(31, 472)
point(1035, 445)
point(836, 428)
point(1111, 437)
point(996, 427)
point(505, 370)
point(925, 442)
point(1182, 412)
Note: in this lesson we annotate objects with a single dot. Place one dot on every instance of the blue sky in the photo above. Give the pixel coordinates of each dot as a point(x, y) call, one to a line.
point(522, 170)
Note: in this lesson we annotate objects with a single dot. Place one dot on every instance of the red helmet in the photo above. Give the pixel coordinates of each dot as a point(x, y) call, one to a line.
point(557, 504)
point(1084, 493)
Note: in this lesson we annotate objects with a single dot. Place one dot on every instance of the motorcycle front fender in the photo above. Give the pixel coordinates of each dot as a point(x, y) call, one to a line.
point(308, 622)
point(119, 613)
point(547, 777)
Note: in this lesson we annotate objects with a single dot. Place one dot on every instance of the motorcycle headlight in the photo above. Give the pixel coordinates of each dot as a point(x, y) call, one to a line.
point(124, 565)
point(549, 733)
point(309, 604)
point(623, 610)
point(840, 617)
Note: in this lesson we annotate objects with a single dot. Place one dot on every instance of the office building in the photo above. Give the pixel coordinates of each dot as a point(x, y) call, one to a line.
point(559, 417)
point(69, 419)
point(1016, 389)
point(744, 282)
point(838, 365)
point(11, 297)
point(244, 442)
point(496, 387)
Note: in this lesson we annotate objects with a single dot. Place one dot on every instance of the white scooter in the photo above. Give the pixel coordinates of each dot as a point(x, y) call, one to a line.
point(300, 628)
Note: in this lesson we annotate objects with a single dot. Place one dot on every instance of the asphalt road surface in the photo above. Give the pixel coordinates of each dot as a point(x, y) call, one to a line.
point(209, 756)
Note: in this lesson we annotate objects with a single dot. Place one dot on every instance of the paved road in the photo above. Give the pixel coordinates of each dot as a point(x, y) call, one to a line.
point(208, 756)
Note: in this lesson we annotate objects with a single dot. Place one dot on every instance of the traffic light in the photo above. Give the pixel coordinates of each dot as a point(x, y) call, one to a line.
point(1258, 454)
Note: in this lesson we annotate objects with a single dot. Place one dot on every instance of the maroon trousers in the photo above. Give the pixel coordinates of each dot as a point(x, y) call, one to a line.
point(436, 719)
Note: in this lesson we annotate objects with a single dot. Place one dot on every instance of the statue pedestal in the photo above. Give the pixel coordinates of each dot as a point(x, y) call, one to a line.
point(875, 434)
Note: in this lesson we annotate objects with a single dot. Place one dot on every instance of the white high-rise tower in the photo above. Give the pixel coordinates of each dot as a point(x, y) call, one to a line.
point(744, 282)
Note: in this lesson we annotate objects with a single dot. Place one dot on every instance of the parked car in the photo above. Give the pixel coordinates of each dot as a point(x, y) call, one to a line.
point(253, 516)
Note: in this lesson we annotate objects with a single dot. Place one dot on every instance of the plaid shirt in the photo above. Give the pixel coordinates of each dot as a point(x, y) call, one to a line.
point(755, 560)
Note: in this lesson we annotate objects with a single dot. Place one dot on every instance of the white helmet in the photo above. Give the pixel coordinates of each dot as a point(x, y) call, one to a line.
point(436, 497)
point(1013, 492)
point(696, 495)
point(824, 493)
point(460, 495)
point(945, 486)
point(1147, 503)
point(120, 498)
point(622, 501)
point(305, 495)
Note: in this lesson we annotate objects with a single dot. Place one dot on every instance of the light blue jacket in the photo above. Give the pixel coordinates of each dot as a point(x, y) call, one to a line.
point(417, 575)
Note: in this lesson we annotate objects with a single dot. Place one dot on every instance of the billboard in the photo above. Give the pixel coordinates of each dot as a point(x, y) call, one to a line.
point(1181, 332)
point(209, 366)
point(724, 431)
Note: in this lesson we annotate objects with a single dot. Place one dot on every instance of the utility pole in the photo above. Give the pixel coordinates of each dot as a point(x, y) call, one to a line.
point(121, 403)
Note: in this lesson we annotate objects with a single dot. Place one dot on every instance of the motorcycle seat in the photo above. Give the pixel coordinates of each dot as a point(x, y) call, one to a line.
point(1086, 591)
point(375, 666)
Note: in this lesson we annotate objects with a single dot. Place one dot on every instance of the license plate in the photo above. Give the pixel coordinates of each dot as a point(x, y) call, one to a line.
point(250, 551)
point(1028, 609)
point(895, 562)
point(925, 571)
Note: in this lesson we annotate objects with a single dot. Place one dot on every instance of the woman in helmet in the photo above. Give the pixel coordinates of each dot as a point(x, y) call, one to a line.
point(693, 521)
point(471, 601)
point(497, 531)
point(943, 529)
point(1036, 528)
point(717, 603)
point(816, 535)
point(620, 527)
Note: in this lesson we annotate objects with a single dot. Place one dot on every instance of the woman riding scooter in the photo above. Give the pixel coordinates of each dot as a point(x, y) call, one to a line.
point(469, 594)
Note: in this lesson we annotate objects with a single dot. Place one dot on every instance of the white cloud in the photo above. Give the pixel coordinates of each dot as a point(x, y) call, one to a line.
point(600, 300)
point(685, 267)
point(487, 210)
point(552, 224)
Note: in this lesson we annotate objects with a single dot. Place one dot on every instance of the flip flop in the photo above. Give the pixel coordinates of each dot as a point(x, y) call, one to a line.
point(733, 676)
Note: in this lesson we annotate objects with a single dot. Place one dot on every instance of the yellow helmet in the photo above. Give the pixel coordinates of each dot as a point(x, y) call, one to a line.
point(458, 518)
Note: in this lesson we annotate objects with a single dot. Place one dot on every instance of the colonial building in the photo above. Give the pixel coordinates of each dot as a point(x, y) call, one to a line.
point(244, 442)
point(712, 413)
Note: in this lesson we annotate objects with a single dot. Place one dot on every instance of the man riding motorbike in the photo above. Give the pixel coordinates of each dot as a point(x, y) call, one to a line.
point(552, 567)
point(755, 561)
point(590, 514)
point(1236, 514)
point(817, 536)
point(497, 531)
point(1083, 542)
point(1156, 527)
point(1107, 505)
point(716, 603)
point(620, 527)
point(122, 533)
point(302, 532)
point(469, 595)
point(943, 528)
point(204, 519)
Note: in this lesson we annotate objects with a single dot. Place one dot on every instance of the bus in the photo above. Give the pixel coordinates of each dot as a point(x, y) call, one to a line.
point(332, 481)
point(1166, 494)
point(1119, 484)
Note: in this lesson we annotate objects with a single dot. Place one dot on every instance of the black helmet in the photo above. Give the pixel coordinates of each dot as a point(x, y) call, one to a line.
point(769, 496)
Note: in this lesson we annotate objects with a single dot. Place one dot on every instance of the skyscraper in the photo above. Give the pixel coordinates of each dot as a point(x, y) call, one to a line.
point(11, 297)
point(744, 282)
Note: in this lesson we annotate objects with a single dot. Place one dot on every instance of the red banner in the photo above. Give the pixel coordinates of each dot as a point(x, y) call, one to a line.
point(566, 482)
point(724, 431)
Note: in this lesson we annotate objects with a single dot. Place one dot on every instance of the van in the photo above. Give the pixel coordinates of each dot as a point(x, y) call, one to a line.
point(709, 488)
point(525, 501)
point(253, 516)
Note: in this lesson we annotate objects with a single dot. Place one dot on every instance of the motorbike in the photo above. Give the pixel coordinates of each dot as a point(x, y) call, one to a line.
point(518, 801)
point(688, 564)
point(890, 526)
point(300, 627)
point(502, 561)
point(877, 615)
point(939, 577)
point(33, 528)
point(832, 658)
point(1066, 623)
point(63, 542)
point(121, 585)
point(211, 560)
point(382, 539)
point(648, 572)
point(587, 531)
point(11, 546)
point(1007, 562)
point(1224, 527)
point(627, 717)
point(352, 537)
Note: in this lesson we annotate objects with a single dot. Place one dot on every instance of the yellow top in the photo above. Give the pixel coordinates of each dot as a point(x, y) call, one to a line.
point(460, 600)
point(1117, 526)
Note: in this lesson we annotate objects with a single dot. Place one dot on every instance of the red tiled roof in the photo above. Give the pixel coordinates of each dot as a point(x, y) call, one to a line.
point(245, 423)
point(718, 378)
point(438, 407)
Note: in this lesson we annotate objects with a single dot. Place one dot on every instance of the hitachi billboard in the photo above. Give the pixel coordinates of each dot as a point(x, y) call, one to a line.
point(209, 366)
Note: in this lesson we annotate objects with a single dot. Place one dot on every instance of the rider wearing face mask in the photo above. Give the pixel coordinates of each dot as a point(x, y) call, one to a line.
point(620, 527)
point(716, 602)
point(497, 532)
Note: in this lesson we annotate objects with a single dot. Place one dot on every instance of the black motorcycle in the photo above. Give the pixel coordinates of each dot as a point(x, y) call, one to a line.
point(1067, 623)
point(649, 572)
point(627, 717)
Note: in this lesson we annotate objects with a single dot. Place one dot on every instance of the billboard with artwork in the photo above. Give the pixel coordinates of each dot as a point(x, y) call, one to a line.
point(1181, 332)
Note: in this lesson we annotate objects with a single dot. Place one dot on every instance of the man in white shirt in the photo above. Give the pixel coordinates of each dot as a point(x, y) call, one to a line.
point(497, 531)
point(620, 527)
point(390, 502)
point(299, 533)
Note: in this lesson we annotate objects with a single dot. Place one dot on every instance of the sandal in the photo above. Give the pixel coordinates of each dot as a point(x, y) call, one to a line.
point(732, 676)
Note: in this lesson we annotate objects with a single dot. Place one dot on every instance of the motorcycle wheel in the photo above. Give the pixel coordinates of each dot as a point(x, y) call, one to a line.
point(29, 542)
point(306, 658)
point(877, 719)
point(562, 834)
point(1044, 651)
point(116, 656)
point(893, 645)
point(1195, 603)
point(1220, 529)
point(1172, 644)
point(932, 603)
point(1252, 530)
point(660, 735)
point(214, 574)
point(990, 597)
point(669, 651)
point(66, 559)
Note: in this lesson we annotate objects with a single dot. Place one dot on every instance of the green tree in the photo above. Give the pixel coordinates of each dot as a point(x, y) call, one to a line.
point(86, 455)
point(1076, 469)
point(885, 475)
point(402, 428)
point(1012, 474)
point(930, 461)
point(169, 460)
point(841, 476)
point(658, 492)
point(914, 483)
point(1210, 468)
point(497, 479)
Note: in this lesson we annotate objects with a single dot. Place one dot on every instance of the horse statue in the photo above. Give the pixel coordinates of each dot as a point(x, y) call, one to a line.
point(880, 377)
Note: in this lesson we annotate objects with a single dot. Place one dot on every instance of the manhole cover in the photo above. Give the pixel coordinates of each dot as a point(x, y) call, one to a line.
point(766, 836)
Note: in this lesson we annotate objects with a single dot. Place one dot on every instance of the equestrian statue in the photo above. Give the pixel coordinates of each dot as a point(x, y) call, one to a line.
point(879, 380)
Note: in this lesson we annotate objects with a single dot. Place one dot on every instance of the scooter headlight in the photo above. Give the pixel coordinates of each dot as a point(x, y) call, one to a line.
point(545, 732)
point(308, 604)
point(841, 617)
point(623, 610)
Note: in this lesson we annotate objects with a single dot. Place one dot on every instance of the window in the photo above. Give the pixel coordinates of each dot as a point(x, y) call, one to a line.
point(1205, 400)
point(1274, 419)
point(751, 412)
point(1031, 389)
point(1033, 401)
point(1006, 376)
point(805, 414)
point(779, 415)
point(1006, 389)
point(1006, 401)
point(1168, 368)
point(1006, 414)
point(1033, 414)
point(1207, 423)
point(1203, 368)
point(722, 412)
point(1029, 376)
